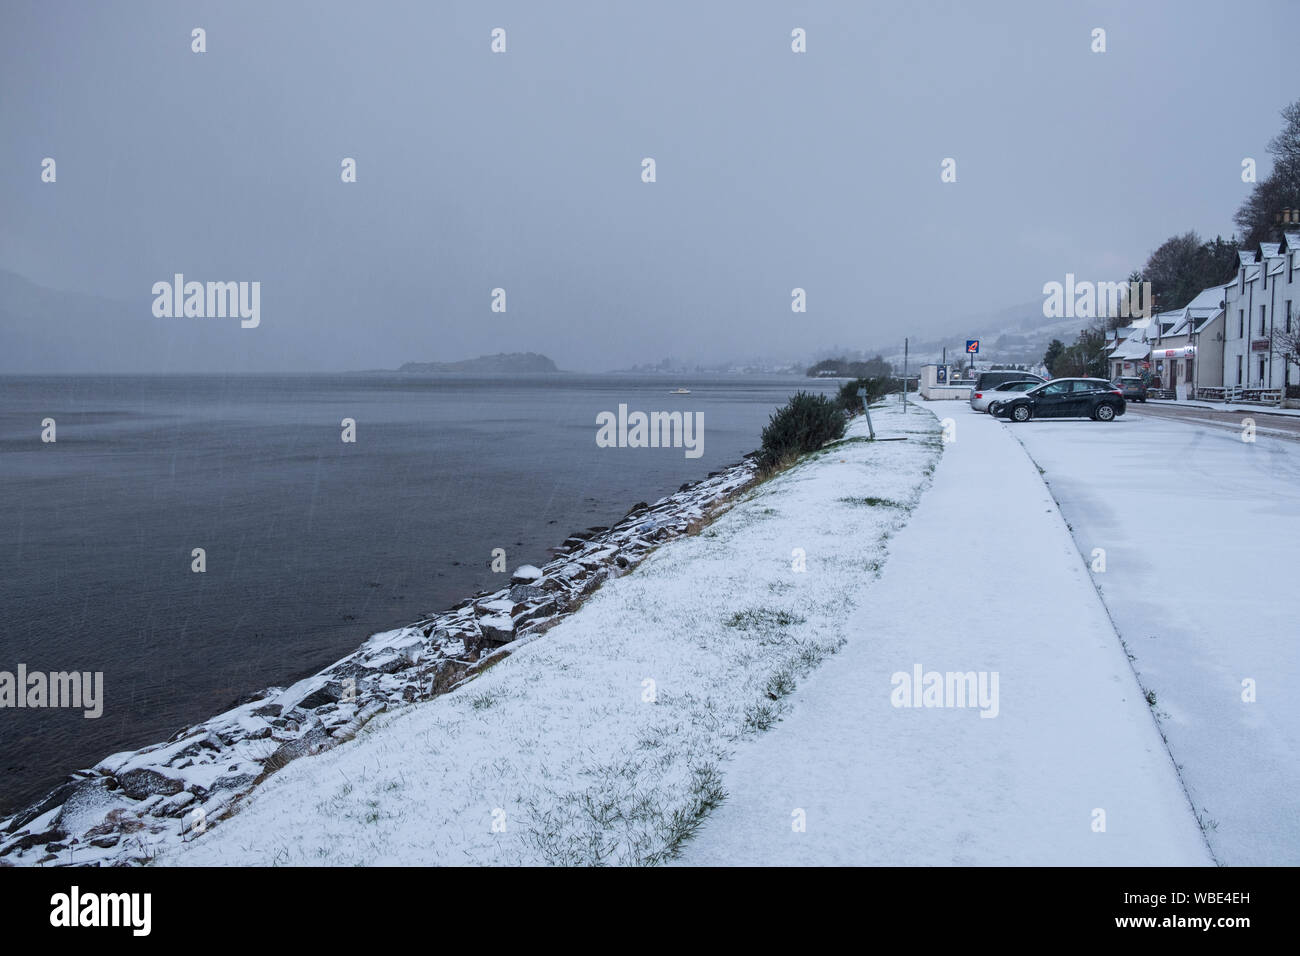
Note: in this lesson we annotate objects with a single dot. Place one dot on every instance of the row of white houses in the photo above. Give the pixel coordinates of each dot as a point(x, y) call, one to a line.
point(1222, 341)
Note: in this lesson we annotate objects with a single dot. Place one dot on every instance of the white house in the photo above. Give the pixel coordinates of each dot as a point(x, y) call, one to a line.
point(1187, 348)
point(1130, 349)
point(1263, 297)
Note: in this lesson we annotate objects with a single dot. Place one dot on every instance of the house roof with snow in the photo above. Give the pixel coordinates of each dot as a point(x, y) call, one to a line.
point(1205, 305)
point(1210, 298)
point(1203, 321)
point(1136, 332)
point(1164, 321)
point(1131, 349)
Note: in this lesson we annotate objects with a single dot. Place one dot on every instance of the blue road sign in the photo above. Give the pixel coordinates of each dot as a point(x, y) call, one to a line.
point(972, 346)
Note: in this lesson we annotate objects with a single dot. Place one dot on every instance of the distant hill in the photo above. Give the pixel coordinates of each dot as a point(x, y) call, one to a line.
point(513, 363)
point(52, 331)
point(1017, 334)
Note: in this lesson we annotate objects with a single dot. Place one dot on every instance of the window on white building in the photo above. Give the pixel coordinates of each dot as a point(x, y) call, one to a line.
point(1238, 369)
point(1241, 323)
point(1261, 319)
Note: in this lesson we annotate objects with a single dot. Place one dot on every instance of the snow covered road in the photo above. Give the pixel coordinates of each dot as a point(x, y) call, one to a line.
point(984, 579)
point(1200, 530)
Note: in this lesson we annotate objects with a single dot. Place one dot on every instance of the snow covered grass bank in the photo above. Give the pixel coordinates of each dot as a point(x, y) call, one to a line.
point(602, 742)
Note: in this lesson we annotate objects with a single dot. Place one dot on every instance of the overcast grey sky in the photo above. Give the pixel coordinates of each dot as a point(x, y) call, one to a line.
point(523, 170)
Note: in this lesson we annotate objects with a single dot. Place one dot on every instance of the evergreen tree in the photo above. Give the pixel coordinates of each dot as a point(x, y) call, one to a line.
point(1055, 349)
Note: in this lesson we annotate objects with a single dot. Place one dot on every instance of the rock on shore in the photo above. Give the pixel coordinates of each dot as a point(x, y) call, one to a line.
point(131, 805)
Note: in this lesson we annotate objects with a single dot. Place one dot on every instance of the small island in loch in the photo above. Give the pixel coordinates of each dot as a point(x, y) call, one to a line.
point(503, 363)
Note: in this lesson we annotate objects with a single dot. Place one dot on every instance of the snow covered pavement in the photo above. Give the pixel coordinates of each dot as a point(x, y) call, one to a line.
point(1200, 532)
point(986, 579)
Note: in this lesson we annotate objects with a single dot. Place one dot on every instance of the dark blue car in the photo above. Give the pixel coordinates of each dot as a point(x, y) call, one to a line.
point(1093, 398)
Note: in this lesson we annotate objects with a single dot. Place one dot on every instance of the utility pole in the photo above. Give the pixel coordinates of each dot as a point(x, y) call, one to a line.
point(905, 375)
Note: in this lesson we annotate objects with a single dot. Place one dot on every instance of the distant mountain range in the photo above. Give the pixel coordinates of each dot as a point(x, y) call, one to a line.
point(503, 363)
point(1017, 334)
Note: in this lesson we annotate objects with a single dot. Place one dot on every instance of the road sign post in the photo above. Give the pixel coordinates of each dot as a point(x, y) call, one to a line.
point(866, 407)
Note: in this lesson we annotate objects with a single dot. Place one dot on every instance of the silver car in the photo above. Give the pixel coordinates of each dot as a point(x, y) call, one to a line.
point(983, 401)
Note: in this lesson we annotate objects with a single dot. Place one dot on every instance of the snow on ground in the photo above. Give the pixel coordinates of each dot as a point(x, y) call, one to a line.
point(984, 578)
point(1234, 426)
point(603, 740)
point(1244, 409)
point(1200, 532)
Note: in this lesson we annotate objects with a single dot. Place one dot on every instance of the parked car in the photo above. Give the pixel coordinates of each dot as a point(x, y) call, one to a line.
point(1093, 398)
point(986, 381)
point(983, 401)
point(1133, 388)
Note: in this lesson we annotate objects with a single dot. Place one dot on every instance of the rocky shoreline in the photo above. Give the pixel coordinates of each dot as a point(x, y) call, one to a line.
point(133, 805)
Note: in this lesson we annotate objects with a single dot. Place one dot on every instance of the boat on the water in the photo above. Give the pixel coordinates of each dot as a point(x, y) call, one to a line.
point(680, 391)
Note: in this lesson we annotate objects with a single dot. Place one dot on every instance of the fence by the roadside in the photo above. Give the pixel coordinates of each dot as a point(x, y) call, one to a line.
point(1233, 393)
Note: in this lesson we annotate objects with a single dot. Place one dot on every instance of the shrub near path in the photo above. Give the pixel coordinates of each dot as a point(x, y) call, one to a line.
point(804, 424)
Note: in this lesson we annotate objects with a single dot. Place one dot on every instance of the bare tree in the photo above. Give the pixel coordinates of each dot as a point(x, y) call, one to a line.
point(1286, 344)
point(1257, 217)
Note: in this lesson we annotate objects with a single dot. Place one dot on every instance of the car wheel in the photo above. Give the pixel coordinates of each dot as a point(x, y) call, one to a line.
point(1105, 412)
point(1021, 413)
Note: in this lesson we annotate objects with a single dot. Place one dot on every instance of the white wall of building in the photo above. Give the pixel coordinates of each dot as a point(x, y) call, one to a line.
point(1264, 297)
